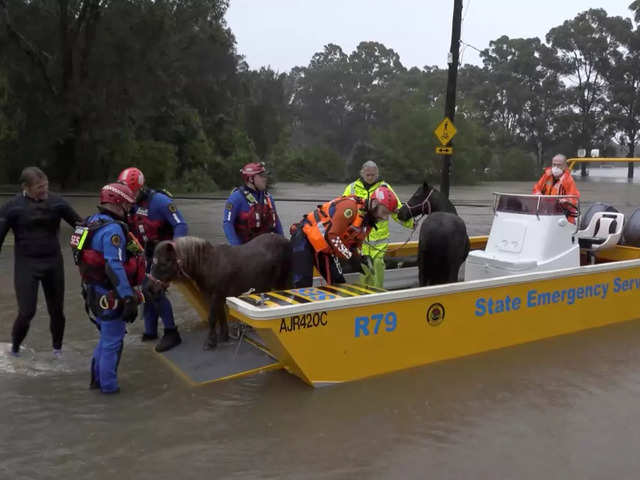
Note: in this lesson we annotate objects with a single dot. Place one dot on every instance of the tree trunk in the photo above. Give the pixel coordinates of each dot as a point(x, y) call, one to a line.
point(632, 151)
point(539, 153)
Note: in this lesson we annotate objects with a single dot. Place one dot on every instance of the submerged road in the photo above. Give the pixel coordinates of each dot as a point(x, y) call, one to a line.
point(566, 407)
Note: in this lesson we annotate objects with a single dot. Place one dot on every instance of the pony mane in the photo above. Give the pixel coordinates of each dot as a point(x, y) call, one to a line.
point(193, 251)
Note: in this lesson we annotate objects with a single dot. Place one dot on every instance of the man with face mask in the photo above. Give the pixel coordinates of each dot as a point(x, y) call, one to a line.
point(557, 180)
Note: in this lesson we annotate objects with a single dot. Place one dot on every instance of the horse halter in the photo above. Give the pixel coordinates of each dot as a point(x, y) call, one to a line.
point(181, 273)
point(421, 206)
point(421, 214)
point(163, 285)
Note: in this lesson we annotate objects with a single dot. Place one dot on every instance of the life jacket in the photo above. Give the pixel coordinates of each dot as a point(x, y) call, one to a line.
point(260, 218)
point(317, 223)
point(551, 186)
point(564, 185)
point(91, 263)
point(149, 232)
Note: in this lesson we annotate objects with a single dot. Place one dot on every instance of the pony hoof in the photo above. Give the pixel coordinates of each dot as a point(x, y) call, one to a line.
point(210, 344)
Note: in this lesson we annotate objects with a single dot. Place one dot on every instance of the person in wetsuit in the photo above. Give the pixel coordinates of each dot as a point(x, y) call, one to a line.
point(34, 217)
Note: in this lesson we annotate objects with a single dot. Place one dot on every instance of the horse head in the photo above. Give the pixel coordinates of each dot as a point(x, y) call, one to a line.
point(418, 204)
point(165, 267)
point(426, 199)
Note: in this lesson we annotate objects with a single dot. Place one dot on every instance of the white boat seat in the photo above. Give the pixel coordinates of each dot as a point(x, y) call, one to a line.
point(604, 231)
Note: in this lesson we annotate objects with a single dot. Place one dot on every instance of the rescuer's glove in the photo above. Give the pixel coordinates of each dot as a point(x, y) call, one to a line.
point(129, 309)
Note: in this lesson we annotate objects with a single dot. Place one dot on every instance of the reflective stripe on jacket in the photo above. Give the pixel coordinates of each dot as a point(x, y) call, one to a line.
point(378, 238)
point(338, 226)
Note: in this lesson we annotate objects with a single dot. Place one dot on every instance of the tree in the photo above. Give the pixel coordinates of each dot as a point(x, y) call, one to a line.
point(584, 47)
point(623, 84)
point(266, 112)
point(321, 100)
point(522, 92)
point(91, 74)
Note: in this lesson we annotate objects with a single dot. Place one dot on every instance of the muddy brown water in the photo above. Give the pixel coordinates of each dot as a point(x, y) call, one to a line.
point(566, 407)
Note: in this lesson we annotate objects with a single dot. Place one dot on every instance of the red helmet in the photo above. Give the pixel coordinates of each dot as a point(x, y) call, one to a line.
point(386, 197)
point(116, 194)
point(133, 178)
point(252, 169)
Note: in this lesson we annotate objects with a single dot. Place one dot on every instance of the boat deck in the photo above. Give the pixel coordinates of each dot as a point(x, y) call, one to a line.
point(234, 359)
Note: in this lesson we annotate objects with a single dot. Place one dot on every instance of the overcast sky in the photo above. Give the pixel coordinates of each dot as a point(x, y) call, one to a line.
point(286, 33)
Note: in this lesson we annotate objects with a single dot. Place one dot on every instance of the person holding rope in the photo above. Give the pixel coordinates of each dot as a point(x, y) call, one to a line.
point(376, 244)
point(336, 230)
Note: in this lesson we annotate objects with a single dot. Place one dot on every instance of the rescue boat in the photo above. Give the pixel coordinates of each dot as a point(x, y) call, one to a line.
point(536, 275)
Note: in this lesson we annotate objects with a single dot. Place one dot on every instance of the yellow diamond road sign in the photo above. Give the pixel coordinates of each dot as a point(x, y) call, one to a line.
point(445, 131)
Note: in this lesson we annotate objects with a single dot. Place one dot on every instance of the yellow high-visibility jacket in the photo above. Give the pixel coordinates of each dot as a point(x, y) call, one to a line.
point(378, 239)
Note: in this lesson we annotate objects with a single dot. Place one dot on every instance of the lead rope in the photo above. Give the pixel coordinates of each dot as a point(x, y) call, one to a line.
point(417, 220)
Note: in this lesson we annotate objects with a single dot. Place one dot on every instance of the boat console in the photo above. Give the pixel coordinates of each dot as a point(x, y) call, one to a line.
point(529, 233)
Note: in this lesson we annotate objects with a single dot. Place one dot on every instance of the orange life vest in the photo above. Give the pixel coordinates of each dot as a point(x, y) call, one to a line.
point(337, 226)
point(549, 185)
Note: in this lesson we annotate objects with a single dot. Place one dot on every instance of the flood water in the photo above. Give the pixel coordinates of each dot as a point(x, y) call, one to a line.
point(566, 407)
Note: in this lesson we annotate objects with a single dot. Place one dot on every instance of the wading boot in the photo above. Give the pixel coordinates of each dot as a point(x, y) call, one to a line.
point(170, 339)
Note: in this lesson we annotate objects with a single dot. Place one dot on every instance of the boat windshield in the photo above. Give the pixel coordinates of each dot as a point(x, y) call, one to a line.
point(531, 204)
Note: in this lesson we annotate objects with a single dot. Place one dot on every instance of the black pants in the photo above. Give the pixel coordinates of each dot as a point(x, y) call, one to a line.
point(304, 258)
point(28, 273)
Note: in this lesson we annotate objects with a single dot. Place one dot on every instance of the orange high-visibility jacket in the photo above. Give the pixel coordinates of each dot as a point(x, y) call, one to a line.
point(548, 185)
point(337, 226)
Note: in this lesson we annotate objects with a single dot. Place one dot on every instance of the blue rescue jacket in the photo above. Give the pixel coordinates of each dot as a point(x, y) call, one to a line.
point(239, 217)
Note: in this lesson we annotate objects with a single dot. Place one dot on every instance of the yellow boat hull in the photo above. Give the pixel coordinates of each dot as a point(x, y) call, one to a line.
point(336, 335)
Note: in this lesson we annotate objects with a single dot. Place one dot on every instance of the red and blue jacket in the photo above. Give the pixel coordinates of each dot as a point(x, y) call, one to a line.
point(105, 263)
point(249, 213)
point(155, 218)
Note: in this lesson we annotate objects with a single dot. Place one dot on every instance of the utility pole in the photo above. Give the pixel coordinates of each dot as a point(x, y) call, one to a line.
point(450, 106)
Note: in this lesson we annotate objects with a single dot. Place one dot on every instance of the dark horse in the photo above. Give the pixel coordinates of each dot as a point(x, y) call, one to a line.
point(443, 244)
point(222, 271)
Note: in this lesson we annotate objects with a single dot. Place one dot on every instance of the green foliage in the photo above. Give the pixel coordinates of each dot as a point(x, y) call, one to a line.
point(160, 85)
point(226, 169)
point(196, 180)
point(314, 164)
point(512, 164)
point(156, 159)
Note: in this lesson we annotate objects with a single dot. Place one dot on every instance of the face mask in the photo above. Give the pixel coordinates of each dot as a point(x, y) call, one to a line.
point(556, 171)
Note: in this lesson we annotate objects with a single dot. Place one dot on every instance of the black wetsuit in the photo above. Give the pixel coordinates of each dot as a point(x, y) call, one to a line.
point(38, 258)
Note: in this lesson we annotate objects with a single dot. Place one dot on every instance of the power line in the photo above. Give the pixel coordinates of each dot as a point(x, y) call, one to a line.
point(470, 46)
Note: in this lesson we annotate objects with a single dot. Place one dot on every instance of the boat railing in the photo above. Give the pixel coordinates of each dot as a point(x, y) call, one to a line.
point(572, 162)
